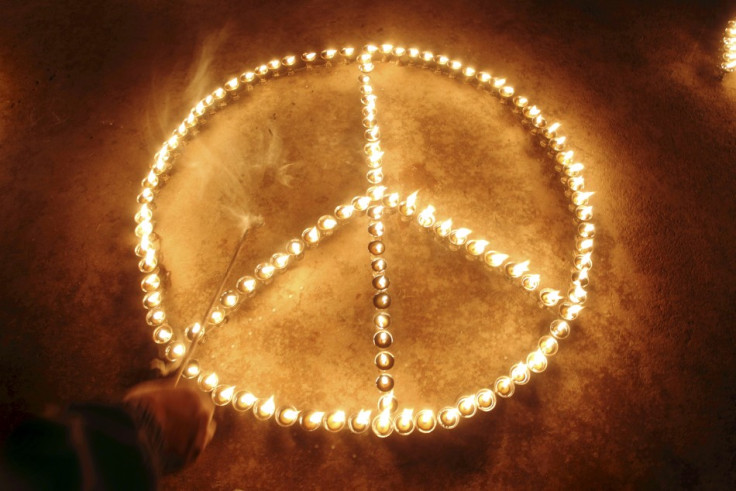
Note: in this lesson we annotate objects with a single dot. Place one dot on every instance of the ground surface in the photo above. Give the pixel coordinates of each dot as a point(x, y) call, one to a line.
point(640, 395)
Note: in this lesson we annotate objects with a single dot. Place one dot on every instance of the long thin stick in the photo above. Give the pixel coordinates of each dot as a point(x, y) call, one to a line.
point(199, 335)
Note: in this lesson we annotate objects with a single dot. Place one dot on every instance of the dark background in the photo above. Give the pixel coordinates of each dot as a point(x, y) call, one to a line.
point(645, 397)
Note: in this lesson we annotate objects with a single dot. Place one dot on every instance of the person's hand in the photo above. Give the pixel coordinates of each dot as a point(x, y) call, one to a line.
point(174, 422)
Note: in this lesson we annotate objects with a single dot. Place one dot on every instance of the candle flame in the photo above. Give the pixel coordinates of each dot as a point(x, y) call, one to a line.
point(392, 200)
point(289, 415)
point(179, 349)
point(377, 192)
point(247, 399)
point(316, 417)
point(227, 393)
point(363, 417)
point(519, 269)
point(338, 417)
point(477, 247)
point(444, 228)
point(268, 407)
point(426, 216)
point(211, 380)
point(495, 259)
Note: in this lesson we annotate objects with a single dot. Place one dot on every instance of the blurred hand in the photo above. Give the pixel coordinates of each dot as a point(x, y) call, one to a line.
point(176, 423)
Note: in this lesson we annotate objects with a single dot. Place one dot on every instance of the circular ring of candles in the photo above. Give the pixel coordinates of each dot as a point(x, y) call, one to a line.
point(377, 203)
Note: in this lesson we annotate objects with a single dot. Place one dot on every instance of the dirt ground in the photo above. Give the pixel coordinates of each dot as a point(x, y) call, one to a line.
point(640, 395)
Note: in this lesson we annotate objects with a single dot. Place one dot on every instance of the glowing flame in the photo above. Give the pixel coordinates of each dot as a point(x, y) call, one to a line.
point(466, 405)
point(426, 217)
point(553, 128)
point(312, 235)
point(443, 229)
point(192, 369)
point(268, 407)
point(226, 394)
point(178, 350)
point(392, 200)
point(288, 415)
point(581, 197)
point(217, 317)
point(316, 417)
point(495, 259)
point(246, 400)
point(362, 203)
point(425, 418)
point(230, 299)
point(530, 282)
point(477, 247)
point(377, 192)
point(280, 260)
point(518, 269)
point(578, 294)
point(550, 297)
point(210, 381)
point(460, 235)
point(363, 417)
point(335, 421)
point(247, 284)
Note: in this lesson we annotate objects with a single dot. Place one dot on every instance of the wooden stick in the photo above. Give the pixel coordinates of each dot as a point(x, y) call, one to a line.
point(199, 335)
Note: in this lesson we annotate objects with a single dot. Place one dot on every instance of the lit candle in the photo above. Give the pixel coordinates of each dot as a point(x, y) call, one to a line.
point(459, 236)
point(495, 259)
point(520, 373)
point(242, 401)
point(287, 416)
point(515, 270)
point(311, 420)
point(485, 399)
point(311, 236)
point(504, 387)
point(335, 421)
point(382, 426)
point(466, 406)
point(404, 424)
point(409, 207)
point(359, 423)
point(530, 282)
point(426, 421)
point(536, 361)
point(223, 394)
point(426, 218)
point(209, 381)
point(264, 409)
point(549, 297)
point(476, 247)
point(444, 228)
point(449, 417)
point(192, 370)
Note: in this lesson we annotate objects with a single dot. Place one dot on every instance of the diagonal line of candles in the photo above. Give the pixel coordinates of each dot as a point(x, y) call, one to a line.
point(376, 203)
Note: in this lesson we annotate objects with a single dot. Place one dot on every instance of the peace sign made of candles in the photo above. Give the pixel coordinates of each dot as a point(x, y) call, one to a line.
point(376, 203)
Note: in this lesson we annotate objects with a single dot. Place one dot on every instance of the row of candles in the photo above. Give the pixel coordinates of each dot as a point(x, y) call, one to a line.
point(377, 202)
